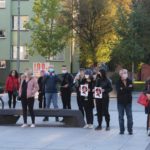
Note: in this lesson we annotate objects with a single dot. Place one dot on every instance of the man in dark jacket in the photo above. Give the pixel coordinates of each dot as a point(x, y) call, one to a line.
point(66, 88)
point(124, 89)
point(50, 83)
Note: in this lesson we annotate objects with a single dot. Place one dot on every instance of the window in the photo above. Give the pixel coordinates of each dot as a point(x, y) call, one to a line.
point(2, 3)
point(59, 57)
point(23, 53)
point(23, 21)
point(2, 34)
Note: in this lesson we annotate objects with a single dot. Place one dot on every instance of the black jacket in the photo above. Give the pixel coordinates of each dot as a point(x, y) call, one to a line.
point(50, 83)
point(67, 79)
point(124, 93)
point(104, 84)
point(41, 84)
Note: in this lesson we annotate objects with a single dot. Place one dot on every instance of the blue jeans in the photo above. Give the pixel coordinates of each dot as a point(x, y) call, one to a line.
point(128, 109)
point(51, 97)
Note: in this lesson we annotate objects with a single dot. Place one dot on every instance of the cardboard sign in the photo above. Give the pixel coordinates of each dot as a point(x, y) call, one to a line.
point(84, 90)
point(98, 92)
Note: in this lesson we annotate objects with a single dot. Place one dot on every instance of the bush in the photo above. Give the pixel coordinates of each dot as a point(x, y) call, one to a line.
point(139, 85)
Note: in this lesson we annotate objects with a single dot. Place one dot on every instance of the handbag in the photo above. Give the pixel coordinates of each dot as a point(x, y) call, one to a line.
point(15, 92)
point(143, 100)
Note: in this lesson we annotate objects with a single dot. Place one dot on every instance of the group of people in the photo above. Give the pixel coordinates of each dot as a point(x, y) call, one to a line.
point(25, 87)
point(94, 81)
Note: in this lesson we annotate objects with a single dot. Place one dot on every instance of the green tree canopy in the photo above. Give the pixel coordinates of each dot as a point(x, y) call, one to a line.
point(133, 30)
point(49, 31)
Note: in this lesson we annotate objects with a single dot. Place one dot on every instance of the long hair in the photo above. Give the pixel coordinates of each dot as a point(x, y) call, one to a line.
point(103, 73)
point(16, 73)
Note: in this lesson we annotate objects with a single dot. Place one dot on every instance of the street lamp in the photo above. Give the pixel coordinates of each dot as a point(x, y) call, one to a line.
point(18, 39)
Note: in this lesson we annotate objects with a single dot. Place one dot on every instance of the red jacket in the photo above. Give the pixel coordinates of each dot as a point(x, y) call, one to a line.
point(11, 84)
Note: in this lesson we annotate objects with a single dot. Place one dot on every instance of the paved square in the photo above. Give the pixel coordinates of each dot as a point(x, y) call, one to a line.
point(49, 137)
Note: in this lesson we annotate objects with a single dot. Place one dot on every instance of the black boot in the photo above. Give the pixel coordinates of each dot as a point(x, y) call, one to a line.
point(45, 119)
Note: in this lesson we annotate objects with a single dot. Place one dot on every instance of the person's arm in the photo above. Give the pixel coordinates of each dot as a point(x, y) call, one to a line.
point(129, 86)
point(70, 79)
point(35, 86)
point(146, 87)
point(6, 84)
point(18, 83)
point(108, 87)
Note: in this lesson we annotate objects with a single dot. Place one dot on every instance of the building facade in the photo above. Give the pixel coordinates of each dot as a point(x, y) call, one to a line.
point(8, 40)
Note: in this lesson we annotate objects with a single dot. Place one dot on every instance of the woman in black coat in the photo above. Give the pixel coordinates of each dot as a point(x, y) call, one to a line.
point(102, 104)
point(88, 103)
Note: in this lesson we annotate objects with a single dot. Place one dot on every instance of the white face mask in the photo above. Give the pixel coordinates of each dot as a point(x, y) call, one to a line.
point(64, 71)
point(94, 76)
point(86, 76)
point(124, 76)
point(26, 74)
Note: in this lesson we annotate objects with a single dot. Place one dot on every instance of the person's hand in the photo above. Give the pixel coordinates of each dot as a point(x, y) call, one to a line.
point(130, 85)
point(80, 89)
point(65, 86)
point(76, 78)
point(103, 90)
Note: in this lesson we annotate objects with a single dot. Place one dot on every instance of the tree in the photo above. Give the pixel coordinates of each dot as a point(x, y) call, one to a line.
point(49, 31)
point(92, 23)
point(133, 30)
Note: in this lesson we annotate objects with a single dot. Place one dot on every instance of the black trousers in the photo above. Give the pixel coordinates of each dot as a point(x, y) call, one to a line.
point(88, 108)
point(11, 97)
point(28, 104)
point(80, 103)
point(102, 110)
point(42, 101)
point(66, 99)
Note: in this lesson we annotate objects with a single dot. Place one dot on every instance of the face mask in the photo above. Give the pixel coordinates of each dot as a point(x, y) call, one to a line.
point(51, 70)
point(86, 76)
point(64, 71)
point(26, 74)
point(94, 76)
point(125, 76)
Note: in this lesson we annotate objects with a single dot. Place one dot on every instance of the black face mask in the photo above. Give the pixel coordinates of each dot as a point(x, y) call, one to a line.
point(99, 77)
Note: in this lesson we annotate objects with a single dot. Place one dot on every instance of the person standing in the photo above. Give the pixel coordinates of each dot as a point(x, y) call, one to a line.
point(41, 96)
point(147, 109)
point(124, 89)
point(66, 88)
point(51, 93)
point(88, 102)
point(27, 90)
point(78, 81)
point(102, 104)
point(12, 87)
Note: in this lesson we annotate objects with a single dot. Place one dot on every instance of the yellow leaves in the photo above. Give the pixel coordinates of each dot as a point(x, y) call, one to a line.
point(103, 53)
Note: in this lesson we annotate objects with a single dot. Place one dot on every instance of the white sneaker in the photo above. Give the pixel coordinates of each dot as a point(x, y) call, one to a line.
point(24, 126)
point(86, 126)
point(32, 126)
point(90, 126)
